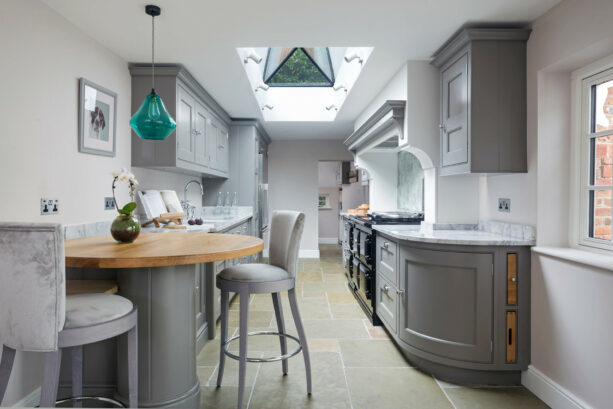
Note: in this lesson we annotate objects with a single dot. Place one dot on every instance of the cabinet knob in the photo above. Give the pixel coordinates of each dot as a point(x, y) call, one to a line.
point(513, 279)
point(386, 287)
point(443, 127)
point(386, 244)
point(400, 292)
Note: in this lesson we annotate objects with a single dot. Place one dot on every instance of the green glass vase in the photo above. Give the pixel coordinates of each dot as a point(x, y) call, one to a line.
point(125, 228)
point(152, 120)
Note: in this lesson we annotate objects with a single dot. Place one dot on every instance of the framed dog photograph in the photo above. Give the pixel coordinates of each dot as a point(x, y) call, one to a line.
point(97, 119)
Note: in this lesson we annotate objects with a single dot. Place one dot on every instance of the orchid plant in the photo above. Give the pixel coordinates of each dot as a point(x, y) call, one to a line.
point(125, 176)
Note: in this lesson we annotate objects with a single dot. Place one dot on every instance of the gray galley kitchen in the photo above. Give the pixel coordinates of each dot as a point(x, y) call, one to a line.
point(323, 205)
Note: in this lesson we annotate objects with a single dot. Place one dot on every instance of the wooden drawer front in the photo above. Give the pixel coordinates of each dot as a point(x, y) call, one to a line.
point(387, 303)
point(512, 279)
point(387, 260)
point(511, 337)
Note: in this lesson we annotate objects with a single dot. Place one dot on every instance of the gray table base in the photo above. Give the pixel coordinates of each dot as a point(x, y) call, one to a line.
point(166, 336)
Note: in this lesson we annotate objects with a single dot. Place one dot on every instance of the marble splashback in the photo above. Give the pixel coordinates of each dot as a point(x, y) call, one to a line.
point(410, 182)
point(77, 231)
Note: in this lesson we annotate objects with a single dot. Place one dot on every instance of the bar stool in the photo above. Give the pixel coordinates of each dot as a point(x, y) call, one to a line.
point(280, 275)
point(36, 314)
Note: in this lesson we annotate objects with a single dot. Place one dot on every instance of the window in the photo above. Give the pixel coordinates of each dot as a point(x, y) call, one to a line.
point(597, 159)
point(299, 67)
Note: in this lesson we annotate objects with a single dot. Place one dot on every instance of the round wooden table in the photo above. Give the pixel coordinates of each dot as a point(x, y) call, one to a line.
point(158, 274)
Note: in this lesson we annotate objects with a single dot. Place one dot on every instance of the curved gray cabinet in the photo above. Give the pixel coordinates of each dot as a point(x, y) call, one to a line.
point(459, 312)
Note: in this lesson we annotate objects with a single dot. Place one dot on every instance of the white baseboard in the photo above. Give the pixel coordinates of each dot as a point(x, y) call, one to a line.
point(301, 254)
point(549, 391)
point(328, 240)
point(31, 400)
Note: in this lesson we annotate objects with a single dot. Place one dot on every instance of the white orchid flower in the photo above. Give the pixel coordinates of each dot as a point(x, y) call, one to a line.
point(115, 174)
point(133, 180)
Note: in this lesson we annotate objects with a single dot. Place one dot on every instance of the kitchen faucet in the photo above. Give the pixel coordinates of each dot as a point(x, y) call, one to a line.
point(184, 203)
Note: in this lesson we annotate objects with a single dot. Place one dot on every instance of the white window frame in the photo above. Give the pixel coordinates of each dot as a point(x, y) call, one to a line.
point(583, 80)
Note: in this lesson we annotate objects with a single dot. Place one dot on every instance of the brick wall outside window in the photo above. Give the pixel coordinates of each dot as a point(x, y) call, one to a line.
point(603, 175)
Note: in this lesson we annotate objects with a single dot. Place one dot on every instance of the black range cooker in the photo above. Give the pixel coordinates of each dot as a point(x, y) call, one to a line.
point(359, 253)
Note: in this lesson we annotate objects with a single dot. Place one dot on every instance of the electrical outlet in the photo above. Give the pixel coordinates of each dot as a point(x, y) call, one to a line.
point(49, 206)
point(504, 205)
point(109, 204)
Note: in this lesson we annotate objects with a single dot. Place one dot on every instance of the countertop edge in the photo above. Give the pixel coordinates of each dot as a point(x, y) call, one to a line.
point(510, 242)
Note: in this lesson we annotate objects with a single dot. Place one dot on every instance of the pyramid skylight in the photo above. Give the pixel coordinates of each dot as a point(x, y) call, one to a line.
point(302, 83)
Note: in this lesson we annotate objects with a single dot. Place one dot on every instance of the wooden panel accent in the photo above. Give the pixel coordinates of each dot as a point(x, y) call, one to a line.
point(511, 336)
point(159, 250)
point(90, 287)
point(512, 279)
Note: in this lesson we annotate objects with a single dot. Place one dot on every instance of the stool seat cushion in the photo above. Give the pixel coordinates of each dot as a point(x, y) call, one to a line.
point(83, 310)
point(254, 273)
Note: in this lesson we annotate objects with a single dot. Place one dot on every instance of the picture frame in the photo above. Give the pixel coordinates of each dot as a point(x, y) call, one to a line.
point(97, 119)
point(323, 202)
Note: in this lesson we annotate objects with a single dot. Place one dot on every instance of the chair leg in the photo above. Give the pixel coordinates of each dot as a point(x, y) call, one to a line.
point(51, 378)
point(224, 334)
point(6, 365)
point(244, 336)
point(133, 367)
point(301, 334)
point(76, 358)
point(276, 301)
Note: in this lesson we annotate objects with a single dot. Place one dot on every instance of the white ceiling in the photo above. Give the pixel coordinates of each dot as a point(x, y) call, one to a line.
point(203, 36)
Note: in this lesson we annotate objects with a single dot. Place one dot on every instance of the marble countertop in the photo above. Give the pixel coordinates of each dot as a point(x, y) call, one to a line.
point(211, 224)
point(483, 234)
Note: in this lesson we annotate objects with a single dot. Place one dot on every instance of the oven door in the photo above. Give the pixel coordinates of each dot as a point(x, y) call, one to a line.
point(348, 263)
point(347, 235)
point(355, 234)
point(367, 249)
point(354, 282)
point(365, 279)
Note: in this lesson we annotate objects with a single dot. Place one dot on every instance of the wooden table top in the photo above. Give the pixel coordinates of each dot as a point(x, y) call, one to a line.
point(159, 250)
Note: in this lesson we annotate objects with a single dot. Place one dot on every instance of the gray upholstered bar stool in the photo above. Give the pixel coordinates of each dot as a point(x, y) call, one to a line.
point(279, 275)
point(36, 314)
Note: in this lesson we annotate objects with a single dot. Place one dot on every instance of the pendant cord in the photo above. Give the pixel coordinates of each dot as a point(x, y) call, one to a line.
point(152, 53)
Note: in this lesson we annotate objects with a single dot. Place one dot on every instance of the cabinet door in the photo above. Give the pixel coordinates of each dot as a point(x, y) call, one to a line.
point(185, 125)
point(200, 151)
point(387, 303)
point(212, 134)
point(454, 129)
point(223, 154)
point(447, 307)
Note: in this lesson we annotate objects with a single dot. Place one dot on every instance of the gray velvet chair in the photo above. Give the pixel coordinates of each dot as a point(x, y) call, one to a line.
point(279, 275)
point(36, 314)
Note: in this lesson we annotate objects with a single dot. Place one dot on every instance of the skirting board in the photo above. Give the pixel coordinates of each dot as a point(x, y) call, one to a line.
point(328, 240)
point(31, 400)
point(549, 391)
point(302, 254)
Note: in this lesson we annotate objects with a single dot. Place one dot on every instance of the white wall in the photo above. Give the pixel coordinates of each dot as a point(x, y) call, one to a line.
point(43, 58)
point(328, 219)
point(293, 180)
point(571, 303)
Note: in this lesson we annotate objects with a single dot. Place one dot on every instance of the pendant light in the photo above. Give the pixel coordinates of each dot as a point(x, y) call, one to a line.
point(152, 120)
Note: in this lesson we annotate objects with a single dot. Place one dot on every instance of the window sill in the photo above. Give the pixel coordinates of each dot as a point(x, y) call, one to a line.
point(589, 258)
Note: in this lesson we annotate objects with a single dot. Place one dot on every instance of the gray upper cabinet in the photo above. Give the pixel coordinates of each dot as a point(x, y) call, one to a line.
point(483, 101)
point(199, 144)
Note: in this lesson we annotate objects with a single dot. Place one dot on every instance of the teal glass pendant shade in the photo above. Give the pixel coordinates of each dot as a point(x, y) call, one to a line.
point(152, 120)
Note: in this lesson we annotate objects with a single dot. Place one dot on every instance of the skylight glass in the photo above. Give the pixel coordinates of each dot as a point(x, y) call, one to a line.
point(298, 67)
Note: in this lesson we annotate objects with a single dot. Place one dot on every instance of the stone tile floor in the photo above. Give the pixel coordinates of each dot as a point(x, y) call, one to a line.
point(354, 365)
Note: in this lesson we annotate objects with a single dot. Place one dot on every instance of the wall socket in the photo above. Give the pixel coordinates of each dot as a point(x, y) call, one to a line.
point(49, 206)
point(109, 204)
point(504, 205)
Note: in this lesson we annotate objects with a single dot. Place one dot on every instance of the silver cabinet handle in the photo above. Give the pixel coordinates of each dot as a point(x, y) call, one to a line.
point(196, 132)
point(443, 127)
point(400, 292)
point(513, 279)
point(386, 287)
point(386, 244)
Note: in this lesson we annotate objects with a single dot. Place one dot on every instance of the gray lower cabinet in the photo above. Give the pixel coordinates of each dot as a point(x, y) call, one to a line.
point(483, 101)
point(446, 308)
point(199, 144)
point(459, 312)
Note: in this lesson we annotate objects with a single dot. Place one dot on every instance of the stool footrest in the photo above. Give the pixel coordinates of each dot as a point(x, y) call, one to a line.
point(113, 402)
point(269, 359)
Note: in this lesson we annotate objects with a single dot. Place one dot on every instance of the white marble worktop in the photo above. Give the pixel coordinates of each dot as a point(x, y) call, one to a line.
point(486, 233)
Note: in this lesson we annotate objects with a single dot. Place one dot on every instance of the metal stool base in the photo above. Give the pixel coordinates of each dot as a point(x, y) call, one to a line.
point(270, 359)
point(113, 402)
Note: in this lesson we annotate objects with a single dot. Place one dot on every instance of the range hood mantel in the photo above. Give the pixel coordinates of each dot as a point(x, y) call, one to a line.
point(381, 131)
